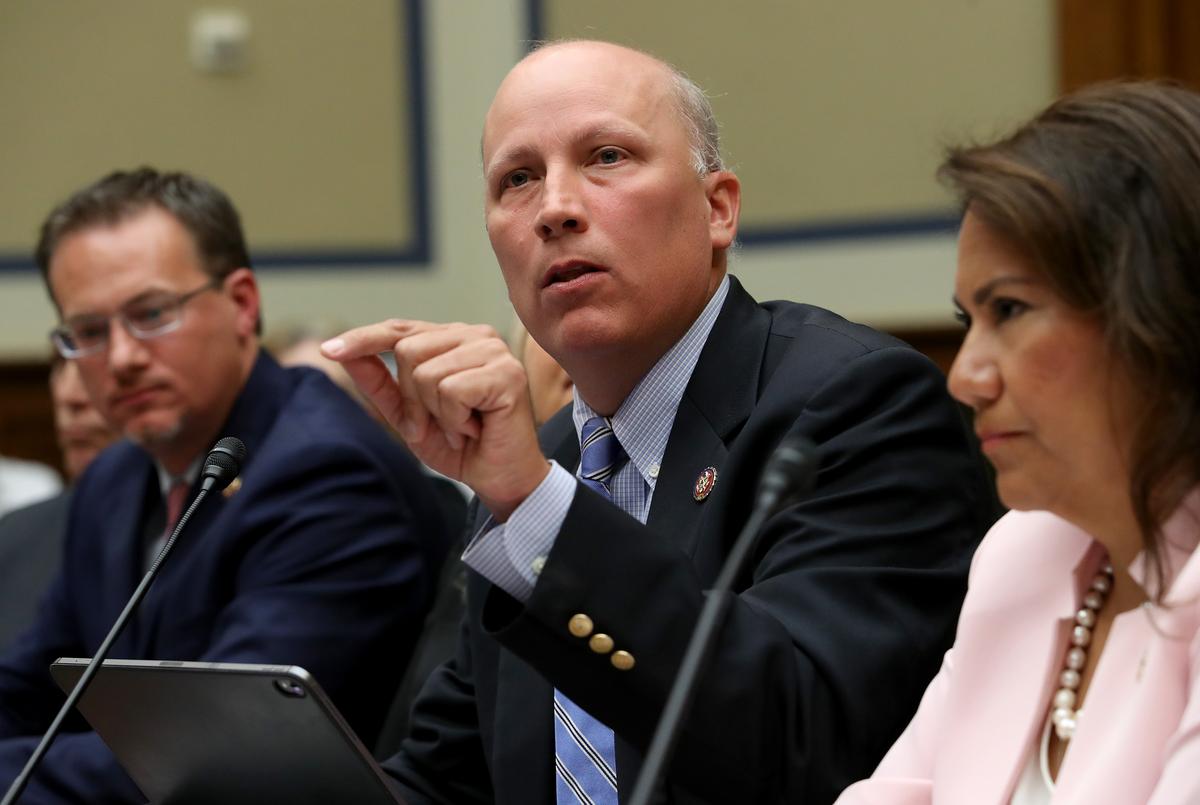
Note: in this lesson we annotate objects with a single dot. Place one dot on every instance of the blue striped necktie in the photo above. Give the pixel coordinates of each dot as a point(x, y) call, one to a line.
point(585, 758)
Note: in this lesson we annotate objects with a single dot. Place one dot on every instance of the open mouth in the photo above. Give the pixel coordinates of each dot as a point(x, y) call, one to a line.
point(569, 272)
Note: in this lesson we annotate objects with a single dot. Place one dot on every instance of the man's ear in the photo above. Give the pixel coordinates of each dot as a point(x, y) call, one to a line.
point(243, 290)
point(724, 203)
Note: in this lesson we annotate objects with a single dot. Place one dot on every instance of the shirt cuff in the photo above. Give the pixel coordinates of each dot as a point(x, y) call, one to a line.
point(511, 555)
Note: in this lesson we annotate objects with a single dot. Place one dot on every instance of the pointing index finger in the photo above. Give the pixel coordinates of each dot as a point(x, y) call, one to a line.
point(370, 339)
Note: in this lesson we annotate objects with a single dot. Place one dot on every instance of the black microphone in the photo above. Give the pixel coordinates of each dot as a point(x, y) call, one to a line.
point(790, 472)
point(223, 463)
point(220, 467)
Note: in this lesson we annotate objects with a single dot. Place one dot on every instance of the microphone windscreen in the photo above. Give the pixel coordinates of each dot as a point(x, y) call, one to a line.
point(224, 461)
point(233, 447)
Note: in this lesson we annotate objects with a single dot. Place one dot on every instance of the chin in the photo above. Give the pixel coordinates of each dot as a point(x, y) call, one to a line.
point(1020, 494)
point(581, 335)
point(150, 433)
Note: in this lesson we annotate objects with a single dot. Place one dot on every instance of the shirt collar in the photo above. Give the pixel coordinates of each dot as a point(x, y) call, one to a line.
point(166, 480)
point(642, 423)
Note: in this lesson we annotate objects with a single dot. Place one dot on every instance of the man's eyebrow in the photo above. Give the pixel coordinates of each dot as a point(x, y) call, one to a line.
point(612, 130)
point(517, 153)
point(524, 152)
point(149, 293)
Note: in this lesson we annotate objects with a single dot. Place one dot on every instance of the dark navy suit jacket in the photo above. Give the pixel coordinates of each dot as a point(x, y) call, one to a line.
point(835, 628)
point(325, 558)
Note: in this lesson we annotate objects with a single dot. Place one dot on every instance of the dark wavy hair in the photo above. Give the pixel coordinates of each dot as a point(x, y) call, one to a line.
point(1102, 192)
point(202, 208)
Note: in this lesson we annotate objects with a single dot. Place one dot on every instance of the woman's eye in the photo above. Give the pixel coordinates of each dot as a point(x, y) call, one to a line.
point(962, 317)
point(1004, 308)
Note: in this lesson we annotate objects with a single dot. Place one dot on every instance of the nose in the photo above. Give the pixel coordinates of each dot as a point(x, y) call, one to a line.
point(562, 210)
point(126, 354)
point(974, 378)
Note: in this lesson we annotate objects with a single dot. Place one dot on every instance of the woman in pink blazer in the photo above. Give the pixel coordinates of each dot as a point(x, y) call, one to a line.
point(1075, 673)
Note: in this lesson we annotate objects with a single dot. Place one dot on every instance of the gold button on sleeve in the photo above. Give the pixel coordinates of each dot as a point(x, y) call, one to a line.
point(622, 660)
point(580, 625)
point(601, 643)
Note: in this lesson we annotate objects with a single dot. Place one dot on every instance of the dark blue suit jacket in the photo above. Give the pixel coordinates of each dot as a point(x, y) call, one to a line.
point(326, 558)
point(835, 628)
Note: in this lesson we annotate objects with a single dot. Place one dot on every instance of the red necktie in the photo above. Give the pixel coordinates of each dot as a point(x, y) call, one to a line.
point(175, 500)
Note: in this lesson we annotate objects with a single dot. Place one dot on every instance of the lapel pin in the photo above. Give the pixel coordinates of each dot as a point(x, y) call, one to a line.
point(233, 487)
point(704, 484)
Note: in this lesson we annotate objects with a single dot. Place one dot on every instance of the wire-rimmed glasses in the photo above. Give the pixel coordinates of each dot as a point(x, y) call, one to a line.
point(148, 316)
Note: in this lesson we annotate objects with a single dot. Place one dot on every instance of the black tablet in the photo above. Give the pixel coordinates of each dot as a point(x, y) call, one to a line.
point(192, 733)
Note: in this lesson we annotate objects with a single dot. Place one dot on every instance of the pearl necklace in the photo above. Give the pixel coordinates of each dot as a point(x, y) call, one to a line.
point(1065, 713)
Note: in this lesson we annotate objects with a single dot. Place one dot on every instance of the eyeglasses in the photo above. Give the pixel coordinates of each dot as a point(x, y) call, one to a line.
point(149, 316)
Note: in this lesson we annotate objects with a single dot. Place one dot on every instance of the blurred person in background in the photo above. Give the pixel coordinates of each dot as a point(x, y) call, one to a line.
point(31, 537)
point(550, 388)
point(23, 482)
point(79, 428)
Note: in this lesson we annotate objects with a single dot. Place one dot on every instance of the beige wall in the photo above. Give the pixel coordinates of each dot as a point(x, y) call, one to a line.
point(931, 74)
point(308, 138)
point(836, 109)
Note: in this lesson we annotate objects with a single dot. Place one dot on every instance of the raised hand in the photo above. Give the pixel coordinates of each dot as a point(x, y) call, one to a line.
point(459, 399)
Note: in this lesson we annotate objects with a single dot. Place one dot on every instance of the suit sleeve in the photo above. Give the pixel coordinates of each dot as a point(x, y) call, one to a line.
point(905, 776)
point(442, 759)
point(331, 570)
point(833, 633)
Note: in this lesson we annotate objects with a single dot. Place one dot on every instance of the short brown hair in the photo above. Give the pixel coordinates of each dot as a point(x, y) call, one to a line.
point(1102, 192)
point(201, 207)
point(206, 212)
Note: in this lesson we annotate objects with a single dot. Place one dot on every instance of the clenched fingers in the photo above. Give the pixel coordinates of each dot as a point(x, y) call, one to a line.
point(358, 351)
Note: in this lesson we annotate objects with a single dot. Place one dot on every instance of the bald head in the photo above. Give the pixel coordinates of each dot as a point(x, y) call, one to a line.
point(694, 111)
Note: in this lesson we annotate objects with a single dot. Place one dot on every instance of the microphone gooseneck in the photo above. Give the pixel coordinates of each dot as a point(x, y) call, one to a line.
point(790, 472)
point(221, 466)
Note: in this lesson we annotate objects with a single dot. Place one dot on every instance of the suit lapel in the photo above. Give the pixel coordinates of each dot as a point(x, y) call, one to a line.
point(719, 398)
point(693, 447)
point(250, 419)
point(176, 570)
point(122, 549)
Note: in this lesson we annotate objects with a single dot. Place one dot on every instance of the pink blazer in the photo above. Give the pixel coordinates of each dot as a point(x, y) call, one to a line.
point(1138, 737)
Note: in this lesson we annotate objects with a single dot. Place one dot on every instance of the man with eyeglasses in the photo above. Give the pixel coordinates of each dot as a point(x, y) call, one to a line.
point(324, 557)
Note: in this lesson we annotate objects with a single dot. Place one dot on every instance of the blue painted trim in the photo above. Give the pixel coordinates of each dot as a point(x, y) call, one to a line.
point(800, 232)
point(536, 20)
point(17, 264)
point(421, 250)
point(415, 255)
point(851, 229)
